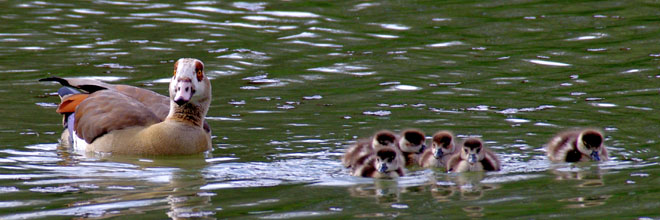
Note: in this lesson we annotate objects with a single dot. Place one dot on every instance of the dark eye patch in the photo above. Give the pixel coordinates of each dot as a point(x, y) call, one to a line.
point(176, 66)
point(199, 70)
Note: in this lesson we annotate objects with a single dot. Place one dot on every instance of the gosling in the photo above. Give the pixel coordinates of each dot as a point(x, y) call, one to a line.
point(384, 163)
point(577, 145)
point(365, 147)
point(473, 156)
point(442, 148)
point(411, 142)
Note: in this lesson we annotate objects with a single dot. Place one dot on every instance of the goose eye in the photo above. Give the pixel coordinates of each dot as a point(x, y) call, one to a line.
point(200, 75)
point(199, 69)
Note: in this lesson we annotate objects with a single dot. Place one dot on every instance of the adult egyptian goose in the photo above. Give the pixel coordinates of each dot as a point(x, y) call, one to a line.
point(473, 156)
point(365, 147)
point(411, 142)
point(441, 150)
point(122, 119)
point(577, 145)
point(383, 163)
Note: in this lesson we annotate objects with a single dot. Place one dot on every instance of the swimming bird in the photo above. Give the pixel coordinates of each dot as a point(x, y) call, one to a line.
point(383, 163)
point(363, 147)
point(442, 148)
point(128, 120)
point(577, 145)
point(473, 156)
point(411, 142)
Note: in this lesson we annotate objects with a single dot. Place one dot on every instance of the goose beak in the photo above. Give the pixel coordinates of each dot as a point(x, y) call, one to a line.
point(421, 149)
point(382, 168)
point(437, 153)
point(184, 91)
point(472, 158)
point(594, 156)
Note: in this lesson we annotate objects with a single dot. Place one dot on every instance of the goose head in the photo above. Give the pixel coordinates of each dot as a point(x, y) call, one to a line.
point(590, 143)
point(412, 141)
point(386, 160)
point(190, 88)
point(189, 82)
point(383, 138)
point(472, 150)
point(442, 144)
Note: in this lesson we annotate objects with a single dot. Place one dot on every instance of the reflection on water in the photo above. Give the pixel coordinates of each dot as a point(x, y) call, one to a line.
point(383, 191)
point(115, 191)
point(587, 177)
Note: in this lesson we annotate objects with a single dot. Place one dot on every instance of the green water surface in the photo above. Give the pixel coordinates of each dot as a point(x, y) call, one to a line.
point(296, 82)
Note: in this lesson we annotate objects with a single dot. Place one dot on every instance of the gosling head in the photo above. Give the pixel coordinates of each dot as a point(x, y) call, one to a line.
point(386, 160)
point(442, 144)
point(412, 141)
point(472, 150)
point(382, 139)
point(590, 143)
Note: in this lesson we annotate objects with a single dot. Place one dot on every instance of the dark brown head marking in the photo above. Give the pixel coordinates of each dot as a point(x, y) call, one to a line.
point(472, 143)
point(199, 70)
point(386, 154)
point(592, 139)
point(176, 65)
point(414, 137)
point(385, 137)
point(442, 138)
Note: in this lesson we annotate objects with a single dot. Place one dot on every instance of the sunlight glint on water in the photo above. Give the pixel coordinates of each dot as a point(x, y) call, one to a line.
point(296, 82)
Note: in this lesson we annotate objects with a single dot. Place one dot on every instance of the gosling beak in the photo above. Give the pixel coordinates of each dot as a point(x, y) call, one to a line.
point(437, 153)
point(421, 149)
point(594, 156)
point(472, 158)
point(382, 168)
point(184, 91)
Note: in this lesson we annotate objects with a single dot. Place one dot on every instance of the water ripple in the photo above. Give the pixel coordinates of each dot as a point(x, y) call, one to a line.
point(547, 63)
point(344, 68)
point(214, 10)
point(291, 14)
point(447, 44)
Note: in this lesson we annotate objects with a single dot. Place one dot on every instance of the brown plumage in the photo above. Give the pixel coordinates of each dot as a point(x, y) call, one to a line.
point(411, 142)
point(125, 119)
point(473, 156)
point(383, 163)
point(364, 147)
point(441, 150)
point(577, 145)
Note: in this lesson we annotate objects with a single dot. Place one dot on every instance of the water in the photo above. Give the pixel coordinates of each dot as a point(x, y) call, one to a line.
point(295, 82)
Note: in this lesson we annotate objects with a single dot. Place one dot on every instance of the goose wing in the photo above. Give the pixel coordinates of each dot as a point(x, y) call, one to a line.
point(107, 110)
